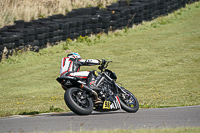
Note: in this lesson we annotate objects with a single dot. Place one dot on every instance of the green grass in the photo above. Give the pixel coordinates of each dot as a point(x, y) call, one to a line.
point(157, 61)
point(158, 130)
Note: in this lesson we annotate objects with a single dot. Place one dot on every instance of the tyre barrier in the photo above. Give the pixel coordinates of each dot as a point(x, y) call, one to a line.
point(36, 34)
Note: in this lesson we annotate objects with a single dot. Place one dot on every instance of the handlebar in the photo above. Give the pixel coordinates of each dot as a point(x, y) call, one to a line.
point(104, 65)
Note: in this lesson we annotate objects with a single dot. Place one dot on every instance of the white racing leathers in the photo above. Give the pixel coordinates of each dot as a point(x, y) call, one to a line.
point(71, 66)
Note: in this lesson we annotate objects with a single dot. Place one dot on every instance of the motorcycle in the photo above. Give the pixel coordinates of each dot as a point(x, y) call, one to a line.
point(98, 92)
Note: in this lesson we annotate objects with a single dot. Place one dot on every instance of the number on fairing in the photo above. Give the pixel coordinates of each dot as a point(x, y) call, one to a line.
point(106, 105)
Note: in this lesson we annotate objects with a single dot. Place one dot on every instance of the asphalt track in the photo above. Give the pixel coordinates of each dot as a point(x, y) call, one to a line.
point(144, 118)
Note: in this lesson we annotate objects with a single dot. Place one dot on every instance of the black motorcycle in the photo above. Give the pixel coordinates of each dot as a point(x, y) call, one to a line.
point(99, 92)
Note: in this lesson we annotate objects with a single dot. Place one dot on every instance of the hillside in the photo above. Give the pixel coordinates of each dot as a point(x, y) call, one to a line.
point(158, 61)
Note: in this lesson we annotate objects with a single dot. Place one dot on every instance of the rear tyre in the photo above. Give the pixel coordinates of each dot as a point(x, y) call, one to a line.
point(79, 103)
point(128, 102)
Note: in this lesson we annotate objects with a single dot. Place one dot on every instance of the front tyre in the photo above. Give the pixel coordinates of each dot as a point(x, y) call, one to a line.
point(78, 102)
point(128, 101)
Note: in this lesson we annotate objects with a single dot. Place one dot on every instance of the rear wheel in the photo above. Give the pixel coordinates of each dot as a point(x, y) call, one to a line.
point(128, 101)
point(78, 102)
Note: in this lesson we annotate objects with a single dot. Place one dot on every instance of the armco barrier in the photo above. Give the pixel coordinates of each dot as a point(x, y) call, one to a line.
point(82, 22)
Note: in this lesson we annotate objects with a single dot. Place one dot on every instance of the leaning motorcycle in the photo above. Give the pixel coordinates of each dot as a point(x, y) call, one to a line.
point(99, 92)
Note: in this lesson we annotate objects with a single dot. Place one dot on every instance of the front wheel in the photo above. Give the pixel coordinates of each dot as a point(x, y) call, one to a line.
point(128, 101)
point(78, 101)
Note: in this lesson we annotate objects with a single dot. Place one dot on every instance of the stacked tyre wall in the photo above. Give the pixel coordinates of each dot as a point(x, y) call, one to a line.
point(36, 34)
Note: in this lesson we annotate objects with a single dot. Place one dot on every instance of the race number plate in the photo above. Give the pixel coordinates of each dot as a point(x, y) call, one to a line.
point(106, 105)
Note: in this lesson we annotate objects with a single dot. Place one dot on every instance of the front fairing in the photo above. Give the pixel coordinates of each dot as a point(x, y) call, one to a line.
point(111, 74)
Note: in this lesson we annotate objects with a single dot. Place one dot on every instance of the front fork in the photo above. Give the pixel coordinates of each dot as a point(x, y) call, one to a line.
point(116, 87)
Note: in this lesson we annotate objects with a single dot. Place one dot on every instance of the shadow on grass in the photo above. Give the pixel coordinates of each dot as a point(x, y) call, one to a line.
point(51, 109)
point(29, 113)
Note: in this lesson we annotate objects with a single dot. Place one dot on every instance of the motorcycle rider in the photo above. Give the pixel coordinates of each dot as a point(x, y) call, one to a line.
point(70, 65)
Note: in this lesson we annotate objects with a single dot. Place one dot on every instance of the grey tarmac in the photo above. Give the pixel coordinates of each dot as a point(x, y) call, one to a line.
point(145, 118)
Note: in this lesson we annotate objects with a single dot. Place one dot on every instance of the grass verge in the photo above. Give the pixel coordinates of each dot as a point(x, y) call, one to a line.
point(163, 130)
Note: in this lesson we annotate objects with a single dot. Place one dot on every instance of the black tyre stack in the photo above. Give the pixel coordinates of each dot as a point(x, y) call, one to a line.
point(86, 25)
point(125, 21)
point(61, 30)
point(132, 14)
point(121, 17)
point(175, 5)
point(182, 3)
point(50, 34)
point(161, 7)
point(36, 34)
point(123, 14)
point(104, 22)
point(169, 5)
point(95, 23)
point(72, 25)
point(65, 30)
point(39, 35)
point(26, 34)
point(147, 11)
point(79, 27)
point(155, 11)
point(115, 19)
point(139, 8)
point(7, 41)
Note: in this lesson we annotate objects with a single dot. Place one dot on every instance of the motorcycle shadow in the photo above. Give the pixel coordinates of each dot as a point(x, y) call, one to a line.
point(92, 114)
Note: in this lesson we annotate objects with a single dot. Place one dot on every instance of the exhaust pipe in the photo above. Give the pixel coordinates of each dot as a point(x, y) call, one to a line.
point(88, 89)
